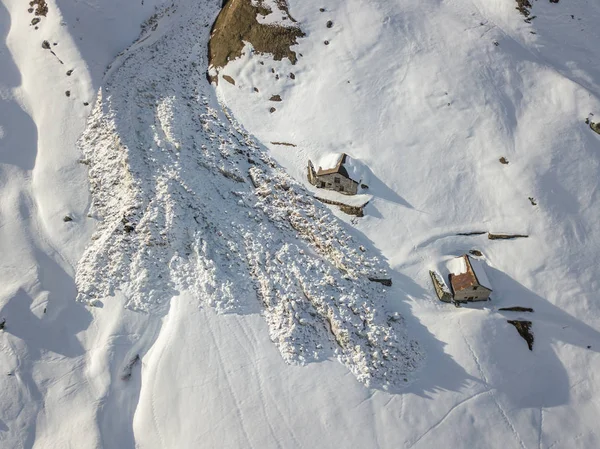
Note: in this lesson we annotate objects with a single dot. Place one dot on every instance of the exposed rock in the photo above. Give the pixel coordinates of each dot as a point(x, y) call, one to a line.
point(41, 7)
point(237, 23)
point(387, 282)
point(229, 79)
point(524, 329)
point(127, 369)
point(67, 218)
point(329, 24)
point(523, 6)
point(35, 20)
point(275, 98)
point(476, 252)
point(503, 160)
point(46, 45)
point(516, 309)
point(492, 236)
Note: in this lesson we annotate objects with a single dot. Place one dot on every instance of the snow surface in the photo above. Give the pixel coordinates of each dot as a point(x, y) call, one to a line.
point(216, 379)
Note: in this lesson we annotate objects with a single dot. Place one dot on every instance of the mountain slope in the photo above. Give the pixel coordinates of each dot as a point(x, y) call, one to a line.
point(192, 232)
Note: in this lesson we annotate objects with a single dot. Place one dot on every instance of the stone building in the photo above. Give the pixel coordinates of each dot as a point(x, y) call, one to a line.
point(468, 280)
point(336, 178)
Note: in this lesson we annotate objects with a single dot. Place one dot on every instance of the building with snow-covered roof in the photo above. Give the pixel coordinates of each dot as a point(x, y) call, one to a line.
point(468, 280)
point(340, 174)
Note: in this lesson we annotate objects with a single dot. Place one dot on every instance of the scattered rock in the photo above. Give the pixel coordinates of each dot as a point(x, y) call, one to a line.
point(275, 98)
point(35, 20)
point(229, 79)
point(127, 370)
point(68, 93)
point(292, 76)
point(67, 218)
point(256, 89)
point(532, 201)
point(85, 103)
point(523, 6)
point(2, 324)
point(503, 160)
point(524, 329)
point(476, 252)
point(41, 7)
point(529, 19)
point(69, 72)
point(364, 186)
point(322, 9)
point(326, 42)
point(471, 233)
point(516, 309)
point(46, 45)
point(329, 24)
point(284, 143)
point(271, 110)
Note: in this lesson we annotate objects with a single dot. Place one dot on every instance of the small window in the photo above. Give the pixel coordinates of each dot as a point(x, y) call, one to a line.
point(341, 188)
point(322, 183)
point(475, 288)
point(336, 180)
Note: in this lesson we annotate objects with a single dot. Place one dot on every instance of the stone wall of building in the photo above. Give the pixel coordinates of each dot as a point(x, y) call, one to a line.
point(475, 293)
point(343, 184)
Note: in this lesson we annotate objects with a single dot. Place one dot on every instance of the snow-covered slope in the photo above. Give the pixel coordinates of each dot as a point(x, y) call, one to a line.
point(197, 253)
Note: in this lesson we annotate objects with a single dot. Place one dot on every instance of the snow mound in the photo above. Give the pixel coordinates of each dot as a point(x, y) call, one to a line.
point(187, 201)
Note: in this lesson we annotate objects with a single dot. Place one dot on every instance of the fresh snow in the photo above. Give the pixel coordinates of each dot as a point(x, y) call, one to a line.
point(226, 278)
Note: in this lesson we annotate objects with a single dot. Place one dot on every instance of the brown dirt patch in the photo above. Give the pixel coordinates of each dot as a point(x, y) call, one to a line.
point(237, 23)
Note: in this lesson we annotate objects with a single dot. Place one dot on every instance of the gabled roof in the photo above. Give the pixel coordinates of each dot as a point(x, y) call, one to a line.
point(468, 272)
point(338, 168)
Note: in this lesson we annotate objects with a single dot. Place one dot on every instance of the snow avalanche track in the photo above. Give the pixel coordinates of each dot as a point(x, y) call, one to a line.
point(188, 202)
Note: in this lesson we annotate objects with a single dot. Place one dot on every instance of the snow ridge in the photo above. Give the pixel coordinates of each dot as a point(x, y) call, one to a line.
point(186, 200)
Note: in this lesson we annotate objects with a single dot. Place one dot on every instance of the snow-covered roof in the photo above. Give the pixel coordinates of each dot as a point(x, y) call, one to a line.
point(340, 163)
point(479, 271)
point(467, 272)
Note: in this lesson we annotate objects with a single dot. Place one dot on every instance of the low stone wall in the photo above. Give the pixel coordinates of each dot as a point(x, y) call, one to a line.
point(346, 208)
point(441, 289)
